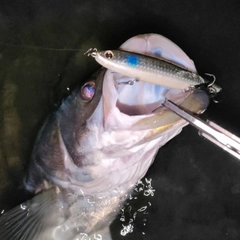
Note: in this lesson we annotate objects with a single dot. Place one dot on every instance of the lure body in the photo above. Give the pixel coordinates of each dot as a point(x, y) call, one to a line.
point(149, 69)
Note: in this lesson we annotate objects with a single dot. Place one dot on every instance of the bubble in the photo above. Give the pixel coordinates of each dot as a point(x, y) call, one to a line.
point(98, 236)
point(126, 229)
point(145, 188)
point(142, 209)
point(23, 207)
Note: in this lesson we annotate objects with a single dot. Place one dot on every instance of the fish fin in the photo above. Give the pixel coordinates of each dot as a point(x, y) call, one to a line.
point(29, 220)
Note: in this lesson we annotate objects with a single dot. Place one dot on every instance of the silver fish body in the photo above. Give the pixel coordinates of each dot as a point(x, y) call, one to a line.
point(90, 152)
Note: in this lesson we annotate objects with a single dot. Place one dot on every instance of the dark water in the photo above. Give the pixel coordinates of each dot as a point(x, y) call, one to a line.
point(197, 185)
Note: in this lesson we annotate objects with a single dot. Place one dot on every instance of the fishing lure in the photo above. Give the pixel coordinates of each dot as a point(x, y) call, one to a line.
point(150, 69)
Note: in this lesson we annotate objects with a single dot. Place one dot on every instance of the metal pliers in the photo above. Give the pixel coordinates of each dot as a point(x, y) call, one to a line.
point(210, 130)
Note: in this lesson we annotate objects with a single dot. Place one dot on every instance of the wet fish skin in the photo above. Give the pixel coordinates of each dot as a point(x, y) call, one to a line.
point(60, 212)
point(63, 132)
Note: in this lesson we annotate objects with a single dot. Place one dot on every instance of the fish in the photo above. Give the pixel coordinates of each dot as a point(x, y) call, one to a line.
point(90, 153)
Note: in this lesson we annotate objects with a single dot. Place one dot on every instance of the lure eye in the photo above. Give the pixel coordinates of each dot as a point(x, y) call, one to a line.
point(88, 91)
point(109, 55)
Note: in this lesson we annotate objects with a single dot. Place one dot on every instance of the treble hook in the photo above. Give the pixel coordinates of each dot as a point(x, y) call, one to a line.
point(130, 82)
point(91, 52)
point(209, 87)
point(210, 84)
point(213, 81)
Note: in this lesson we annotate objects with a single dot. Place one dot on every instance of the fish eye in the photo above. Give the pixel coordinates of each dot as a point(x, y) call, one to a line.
point(88, 91)
point(109, 55)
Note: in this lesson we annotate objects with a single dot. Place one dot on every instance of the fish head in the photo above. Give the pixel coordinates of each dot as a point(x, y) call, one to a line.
point(105, 135)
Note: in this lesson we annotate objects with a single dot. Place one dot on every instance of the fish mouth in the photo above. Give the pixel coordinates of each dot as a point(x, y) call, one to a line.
point(143, 98)
point(130, 123)
point(138, 98)
point(137, 104)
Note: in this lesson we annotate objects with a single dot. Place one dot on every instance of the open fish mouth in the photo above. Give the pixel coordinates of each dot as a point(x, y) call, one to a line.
point(130, 121)
point(134, 101)
point(112, 139)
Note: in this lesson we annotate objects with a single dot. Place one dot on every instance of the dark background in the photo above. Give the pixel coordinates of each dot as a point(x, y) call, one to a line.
point(197, 184)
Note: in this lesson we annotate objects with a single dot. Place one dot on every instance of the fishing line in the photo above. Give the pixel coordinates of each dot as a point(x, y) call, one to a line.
point(43, 48)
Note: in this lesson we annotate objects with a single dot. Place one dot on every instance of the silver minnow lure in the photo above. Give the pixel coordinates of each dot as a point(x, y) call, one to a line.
point(149, 69)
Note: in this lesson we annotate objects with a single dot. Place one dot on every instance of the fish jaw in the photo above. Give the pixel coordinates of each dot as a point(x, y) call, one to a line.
point(127, 144)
